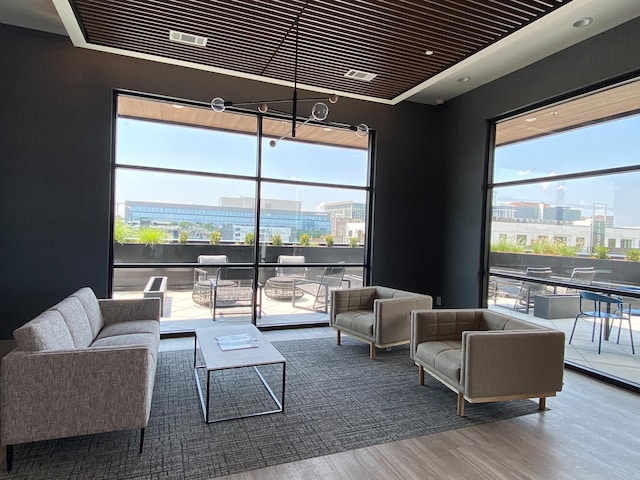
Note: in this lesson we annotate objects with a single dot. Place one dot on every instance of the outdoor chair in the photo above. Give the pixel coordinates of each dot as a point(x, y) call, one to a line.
point(202, 277)
point(289, 271)
point(603, 309)
point(582, 276)
point(233, 288)
point(528, 290)
point(280, 287)
point(319, 288)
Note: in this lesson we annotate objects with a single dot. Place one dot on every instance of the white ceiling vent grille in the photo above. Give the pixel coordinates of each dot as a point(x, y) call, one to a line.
point(364, 76)
point(187, 38)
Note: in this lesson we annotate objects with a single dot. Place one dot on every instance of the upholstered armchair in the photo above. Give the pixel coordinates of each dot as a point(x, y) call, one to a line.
point(379, 316)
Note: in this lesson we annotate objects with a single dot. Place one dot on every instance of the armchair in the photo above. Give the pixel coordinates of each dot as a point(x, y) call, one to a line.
point(379, 316)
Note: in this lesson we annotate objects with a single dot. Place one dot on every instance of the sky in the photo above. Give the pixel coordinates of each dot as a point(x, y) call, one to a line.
point(155, 144)
point(610, 144)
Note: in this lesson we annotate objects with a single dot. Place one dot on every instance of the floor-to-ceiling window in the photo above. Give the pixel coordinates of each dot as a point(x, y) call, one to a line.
point(563, 195)
point(186, 179)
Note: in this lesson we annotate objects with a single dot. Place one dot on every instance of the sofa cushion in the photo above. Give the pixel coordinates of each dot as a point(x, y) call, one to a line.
point(358, 321)
point(132, 340)
point(92, 309)
point(75, 317)
point(443, 356)
point(47, 332)
point(127, 328)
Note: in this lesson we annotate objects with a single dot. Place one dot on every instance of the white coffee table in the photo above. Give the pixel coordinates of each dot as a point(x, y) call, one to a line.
point(216, 359)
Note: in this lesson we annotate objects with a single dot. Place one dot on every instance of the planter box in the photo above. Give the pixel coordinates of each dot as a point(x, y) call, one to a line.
point(556, 306)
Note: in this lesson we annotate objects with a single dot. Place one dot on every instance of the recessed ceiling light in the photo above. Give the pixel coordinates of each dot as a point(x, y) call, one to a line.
point(177, 106)
point(428, 52)
point(530, 119)
point(553, 114)
point(583, 22)
point(327, 129)
point(464, 79)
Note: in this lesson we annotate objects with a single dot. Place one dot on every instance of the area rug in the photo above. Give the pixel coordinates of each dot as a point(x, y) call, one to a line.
point(336, 399)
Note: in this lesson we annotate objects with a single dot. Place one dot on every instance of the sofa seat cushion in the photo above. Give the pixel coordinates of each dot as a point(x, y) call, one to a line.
point(148, 340)
point(47, 332)
point(75, 316)
point(445, 357)
point(130, 327)
point(357, 321)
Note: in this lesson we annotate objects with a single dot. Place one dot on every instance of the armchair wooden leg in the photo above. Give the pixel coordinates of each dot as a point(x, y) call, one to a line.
point(372, 351)
point(461, 404)
point(337, 337)
point(420, 375)
point(542, 403)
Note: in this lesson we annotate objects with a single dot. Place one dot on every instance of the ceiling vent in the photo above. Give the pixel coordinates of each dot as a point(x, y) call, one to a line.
point(187, 38)
point(367, 77)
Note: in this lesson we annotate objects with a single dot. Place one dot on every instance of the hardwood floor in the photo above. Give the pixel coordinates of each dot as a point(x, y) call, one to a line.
point(590, 431)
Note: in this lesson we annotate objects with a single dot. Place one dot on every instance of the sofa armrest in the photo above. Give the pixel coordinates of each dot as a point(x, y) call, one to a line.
point(360, 298)
point(392, 317)
point(123, 310)
point(82, 391)
point(501, 363)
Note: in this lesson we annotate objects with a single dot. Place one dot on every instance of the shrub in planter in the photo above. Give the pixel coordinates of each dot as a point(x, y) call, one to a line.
point(214, 238)
point(353, 242)
point(249, 238)
point(304, 240)
point(276, 239)
point(328, 240)
point(183, 236)
point(151, 236)
point(633, 255)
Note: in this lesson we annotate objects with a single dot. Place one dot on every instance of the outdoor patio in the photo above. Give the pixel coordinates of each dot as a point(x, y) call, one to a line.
point(181, 313)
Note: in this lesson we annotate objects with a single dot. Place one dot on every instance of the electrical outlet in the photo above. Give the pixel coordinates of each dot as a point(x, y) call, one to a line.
point(438, 301)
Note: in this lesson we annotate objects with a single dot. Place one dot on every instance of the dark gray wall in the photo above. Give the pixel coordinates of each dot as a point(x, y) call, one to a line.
point(463, 123)
point(56, 111)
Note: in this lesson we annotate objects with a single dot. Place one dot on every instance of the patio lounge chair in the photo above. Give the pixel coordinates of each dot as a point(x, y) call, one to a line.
point(319, 288)
point(202, 277)
point(233, 288)
point(528, 290)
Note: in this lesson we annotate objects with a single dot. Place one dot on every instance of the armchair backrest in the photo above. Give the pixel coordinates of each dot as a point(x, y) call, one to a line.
point(290, 271)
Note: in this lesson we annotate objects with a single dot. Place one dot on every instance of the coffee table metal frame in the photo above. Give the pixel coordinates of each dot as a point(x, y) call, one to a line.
point(216, 359)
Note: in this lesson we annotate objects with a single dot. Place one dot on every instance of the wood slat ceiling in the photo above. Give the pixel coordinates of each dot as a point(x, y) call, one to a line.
point(155, 110)
point(594, 108)
point(257, 37)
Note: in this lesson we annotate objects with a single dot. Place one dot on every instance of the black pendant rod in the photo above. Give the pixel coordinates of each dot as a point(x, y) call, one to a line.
point(295, 84)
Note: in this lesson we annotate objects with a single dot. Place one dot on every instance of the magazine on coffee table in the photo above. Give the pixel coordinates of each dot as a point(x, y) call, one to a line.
point(237, 342)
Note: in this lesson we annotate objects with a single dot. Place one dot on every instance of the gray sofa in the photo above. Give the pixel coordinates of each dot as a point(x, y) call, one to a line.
point(84, 366)
point(379, 316)
point(485, 356)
